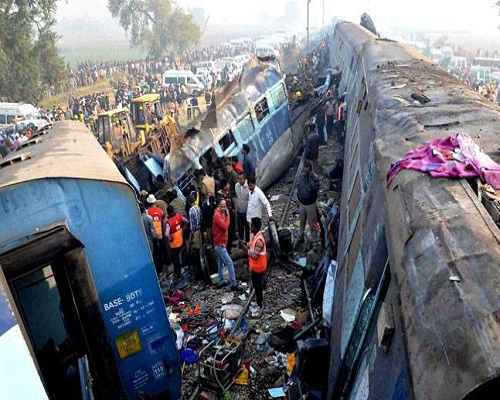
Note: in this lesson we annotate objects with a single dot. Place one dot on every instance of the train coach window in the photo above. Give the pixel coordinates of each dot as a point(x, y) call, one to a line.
point(227, 141)
point(262, 109)
point(278, 95)
point(245, 128)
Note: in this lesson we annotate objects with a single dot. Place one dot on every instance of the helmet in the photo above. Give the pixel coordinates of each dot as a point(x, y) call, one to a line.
point(298, 94)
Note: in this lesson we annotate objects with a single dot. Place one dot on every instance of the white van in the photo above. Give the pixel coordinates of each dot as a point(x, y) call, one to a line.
point(15, 112)
point(186, 77)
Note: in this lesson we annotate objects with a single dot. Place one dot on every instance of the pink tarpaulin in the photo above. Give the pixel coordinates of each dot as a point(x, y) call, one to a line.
point(451, 157)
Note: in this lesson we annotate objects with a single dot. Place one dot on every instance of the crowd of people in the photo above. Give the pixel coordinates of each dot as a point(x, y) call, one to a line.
point(224, 210)
point(486, 87)
point(90, 73)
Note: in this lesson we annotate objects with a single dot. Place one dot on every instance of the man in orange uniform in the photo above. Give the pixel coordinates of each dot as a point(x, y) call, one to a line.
point(174, 232)
point(156, 214)
point(257, 259)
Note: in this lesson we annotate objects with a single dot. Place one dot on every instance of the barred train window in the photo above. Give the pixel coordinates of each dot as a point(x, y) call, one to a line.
point(261, 109)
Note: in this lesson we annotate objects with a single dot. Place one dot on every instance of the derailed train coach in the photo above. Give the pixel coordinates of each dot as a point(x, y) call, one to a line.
point(253, 109)
point(81, 311)
point(417, 293)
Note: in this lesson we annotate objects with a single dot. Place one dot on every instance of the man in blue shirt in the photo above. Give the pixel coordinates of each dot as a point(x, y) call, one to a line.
point(248, 162)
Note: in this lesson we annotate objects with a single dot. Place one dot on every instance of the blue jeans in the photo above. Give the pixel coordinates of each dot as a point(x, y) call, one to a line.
point(224, 258)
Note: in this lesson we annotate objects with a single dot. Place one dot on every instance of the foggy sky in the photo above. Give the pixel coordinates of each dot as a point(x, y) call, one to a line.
point(479, 16)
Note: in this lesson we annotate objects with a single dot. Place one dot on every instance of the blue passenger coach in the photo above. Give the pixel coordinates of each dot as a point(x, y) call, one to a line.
point(81, 311)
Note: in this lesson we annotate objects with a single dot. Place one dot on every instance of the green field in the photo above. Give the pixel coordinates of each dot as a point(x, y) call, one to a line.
point(113, 52)
point(62, 98)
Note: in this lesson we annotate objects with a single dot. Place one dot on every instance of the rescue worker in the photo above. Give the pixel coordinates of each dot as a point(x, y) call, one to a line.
point(174, 232)
point(157, 215)
point(257, 259)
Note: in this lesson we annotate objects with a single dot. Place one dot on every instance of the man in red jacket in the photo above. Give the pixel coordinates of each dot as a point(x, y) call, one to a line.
point(220, 228)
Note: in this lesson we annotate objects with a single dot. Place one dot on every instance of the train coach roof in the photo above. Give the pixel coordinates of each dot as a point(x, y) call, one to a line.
point(444, 245)
point(69, 150)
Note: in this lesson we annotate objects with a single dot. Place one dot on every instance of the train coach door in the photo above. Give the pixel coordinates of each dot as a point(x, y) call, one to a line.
point(53, 296)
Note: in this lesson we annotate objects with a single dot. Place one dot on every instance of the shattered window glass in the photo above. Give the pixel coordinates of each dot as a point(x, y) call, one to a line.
point(261, 109)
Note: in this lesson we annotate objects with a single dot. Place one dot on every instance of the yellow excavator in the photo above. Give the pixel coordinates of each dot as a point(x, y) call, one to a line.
point(146, 112)
point(116, 132)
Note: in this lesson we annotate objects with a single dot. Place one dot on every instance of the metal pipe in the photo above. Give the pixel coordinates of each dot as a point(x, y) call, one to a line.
point(306, 329)
point(196, 393)
point(294, 186)
point(306, 291)
point(243, 312)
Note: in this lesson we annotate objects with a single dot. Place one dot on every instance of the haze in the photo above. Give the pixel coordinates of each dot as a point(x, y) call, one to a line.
point(387, 14)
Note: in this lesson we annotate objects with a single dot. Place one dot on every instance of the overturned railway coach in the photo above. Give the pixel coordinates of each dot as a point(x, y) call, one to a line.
point(81, 311)
point(417, 294)
point(252, 110)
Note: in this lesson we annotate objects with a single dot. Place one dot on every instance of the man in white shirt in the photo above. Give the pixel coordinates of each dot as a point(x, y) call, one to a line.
point(241, 202)
point(256, 200)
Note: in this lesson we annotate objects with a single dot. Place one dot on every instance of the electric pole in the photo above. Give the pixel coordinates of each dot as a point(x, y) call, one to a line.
point(307, 29)
point(323, 18)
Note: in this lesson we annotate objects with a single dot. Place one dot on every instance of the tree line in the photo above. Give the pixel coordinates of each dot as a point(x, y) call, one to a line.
point(29, 57)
